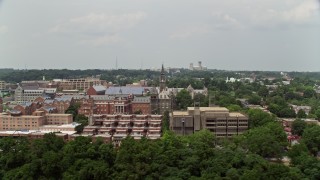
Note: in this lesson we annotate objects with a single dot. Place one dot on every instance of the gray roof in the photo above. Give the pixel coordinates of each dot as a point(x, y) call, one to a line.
point(49, 108)
point(99, 88)
point(141, 99)
point(26, 104)
point(15, 111)
point(102, 97)
point(63, 98)
point(75, 96)
point(48, 101)
point(126, 90)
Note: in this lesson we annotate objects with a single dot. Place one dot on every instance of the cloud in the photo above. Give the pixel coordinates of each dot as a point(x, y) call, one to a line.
point(301, 13)
point(189, 32)
point(98, 41)
point(265, 14)
point(293, 14)
point(225, 21)
point(99, 28)
point(3, 29)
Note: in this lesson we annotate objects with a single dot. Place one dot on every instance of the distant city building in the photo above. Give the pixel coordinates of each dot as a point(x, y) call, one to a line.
point(28, 91)
point(2, 85)
point(24, 94)
point(216, 119)
point(1, 105)
point(306, 109)
point(194, 92)
point(81, 84)
point(231, 80)
point(197, 68)
point(141, 83)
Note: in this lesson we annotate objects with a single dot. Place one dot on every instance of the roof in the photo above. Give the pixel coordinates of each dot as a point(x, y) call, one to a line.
point(75, 96)
point(126, 90)
point(64, 98)
point(26, 104)
point(13, 111)
point(49, 108)
point(143, 99)
point(99, 88)
point(102, 97)
point(210, 108)
point(48, 101)
point(180, 113)
point(235, 114)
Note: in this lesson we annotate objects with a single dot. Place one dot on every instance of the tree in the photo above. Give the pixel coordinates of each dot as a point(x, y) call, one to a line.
point(263, 91)
point(309, 92)
point(83, 120)
point(317, 113)
point(73, 109)
point(301, 114)
point(165, 121)
point(202, 99)
point(184, 99)
point(234, 107)
point(267, 141)
point(254, 99)
point(298, 127)
point(259, 118)
point(311, 137)
point(287, 112)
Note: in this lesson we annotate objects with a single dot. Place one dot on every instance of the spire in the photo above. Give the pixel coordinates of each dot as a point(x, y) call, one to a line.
point(162, 79)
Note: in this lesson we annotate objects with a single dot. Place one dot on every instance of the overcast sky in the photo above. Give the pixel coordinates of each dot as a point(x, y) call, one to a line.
point(223, 34)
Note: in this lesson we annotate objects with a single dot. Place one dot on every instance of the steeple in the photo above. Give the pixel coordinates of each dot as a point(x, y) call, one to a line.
point(162, 79)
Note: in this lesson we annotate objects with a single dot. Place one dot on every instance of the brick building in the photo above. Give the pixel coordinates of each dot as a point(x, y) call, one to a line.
point(119, 126)
point(61, 103)
point(87, 106)
point(141, 104)
point(97, 90)
point(59, 119)
point(14, 120)
point(27, 108)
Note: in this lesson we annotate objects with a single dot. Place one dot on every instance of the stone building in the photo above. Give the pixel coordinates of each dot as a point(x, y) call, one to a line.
point(216, 119)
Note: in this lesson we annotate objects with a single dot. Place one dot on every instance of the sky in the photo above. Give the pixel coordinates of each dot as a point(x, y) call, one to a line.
point(140, 34)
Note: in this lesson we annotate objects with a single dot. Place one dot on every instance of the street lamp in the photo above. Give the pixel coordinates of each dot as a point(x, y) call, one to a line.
point(183, 127)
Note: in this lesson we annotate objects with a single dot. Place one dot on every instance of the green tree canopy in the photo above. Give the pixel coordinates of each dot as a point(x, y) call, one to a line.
point(184, 99)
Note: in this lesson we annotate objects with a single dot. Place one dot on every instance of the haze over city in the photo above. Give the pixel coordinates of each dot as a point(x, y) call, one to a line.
point(232, 35)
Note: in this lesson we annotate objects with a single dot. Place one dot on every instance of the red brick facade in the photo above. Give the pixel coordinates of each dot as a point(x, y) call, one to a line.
point(87, 107)
point(145, 108)
point(26, 109)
